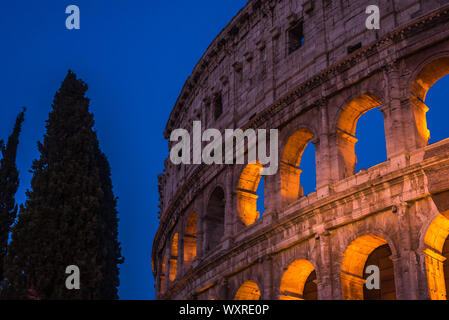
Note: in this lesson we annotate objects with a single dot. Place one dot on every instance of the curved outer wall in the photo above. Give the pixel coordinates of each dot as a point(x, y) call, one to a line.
point(321, 89)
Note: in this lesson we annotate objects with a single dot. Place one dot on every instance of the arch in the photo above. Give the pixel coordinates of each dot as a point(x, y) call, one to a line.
point(291, 189)
point(173, 259)
point(427, 75)
point(436, 256)
point(346, 130)
point(299, 282)
point(363, 250)
point(247, 193)
point(190, 240)
point(249, 290)
point(214, 219)
point(353, 110)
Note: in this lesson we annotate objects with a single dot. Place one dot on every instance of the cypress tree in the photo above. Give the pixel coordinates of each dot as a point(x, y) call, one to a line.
point(70, 215)
point(9, 183)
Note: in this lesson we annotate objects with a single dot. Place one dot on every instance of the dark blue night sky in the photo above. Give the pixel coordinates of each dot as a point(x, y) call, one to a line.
point(135, 57)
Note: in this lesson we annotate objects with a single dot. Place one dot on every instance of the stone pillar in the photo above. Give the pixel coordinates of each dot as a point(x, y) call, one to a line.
point(229, 204)
point(290, 183)
point(405, 263)
point(166, 271)
point(435, 274)
point(224, 290)
point(323, 152)
point(412, 115)
point(324, 278)
point(270, 193)
point(336, 279)
point(344, 158)
point(268, 287)
point(352, 286)
point(417, 128)
point(181, 270)
point(395, 138)
point(201, 226)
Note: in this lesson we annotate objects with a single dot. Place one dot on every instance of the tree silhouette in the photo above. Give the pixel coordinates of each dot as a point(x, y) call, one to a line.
point(9, 183)
point(70, 215)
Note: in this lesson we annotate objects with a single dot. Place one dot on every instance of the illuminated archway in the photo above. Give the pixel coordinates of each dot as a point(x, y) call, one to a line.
point(298, 282)
point(428, 76)
point(247, 193)
point(249, 290)
point(214, 219)
point(291, 189)
point(436, 257)
point(173, 261)
point(346, 131)
point(190, 240)
point(364, 251)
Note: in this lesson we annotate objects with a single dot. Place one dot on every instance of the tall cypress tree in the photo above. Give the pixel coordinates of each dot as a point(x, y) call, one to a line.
point(9, 183)
point(70, 215)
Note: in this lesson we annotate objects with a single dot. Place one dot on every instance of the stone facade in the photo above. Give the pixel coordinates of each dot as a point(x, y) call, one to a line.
point(256, 74)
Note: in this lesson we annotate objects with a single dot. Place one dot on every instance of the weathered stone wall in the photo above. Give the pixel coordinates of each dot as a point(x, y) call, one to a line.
point(322, 90)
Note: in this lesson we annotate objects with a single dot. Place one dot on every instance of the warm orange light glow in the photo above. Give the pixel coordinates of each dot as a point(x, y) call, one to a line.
point(190, 238)
point(246, 193)
point(162, 277)
point(354, 110)
point(294, 280)
point(173, 261)
point(428, 76)
point(352, 269)
point(435, 238)
point(346, 129)
point(248, 291)
point(289, 166)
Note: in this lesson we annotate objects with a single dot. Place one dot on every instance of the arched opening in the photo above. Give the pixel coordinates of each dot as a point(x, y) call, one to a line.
point(380, 257)
point(308, 169)
point(299, 282)
point(426, 78)
point(190, 239)
point(362, 252)
point(435, 98)
point(291, 187)
point(214, 219)
point(436, 256)
point(346, 134)
point(370, 149)
point(173, 262)
point(247, 193)
point(249, 290)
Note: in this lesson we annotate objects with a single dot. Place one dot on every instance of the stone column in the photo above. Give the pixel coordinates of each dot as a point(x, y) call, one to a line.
point(352, 286)
point(224, 290)
point(268, 287)
point(405, 263)
point(230, 209)
point(323, 155)
point(291, 189)
point(166, 272)
point(435, 274)
point(393, 119)
point(324, 277)
point(345, 159)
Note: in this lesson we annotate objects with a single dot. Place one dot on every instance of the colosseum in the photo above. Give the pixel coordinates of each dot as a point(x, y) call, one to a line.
point(311, 68)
